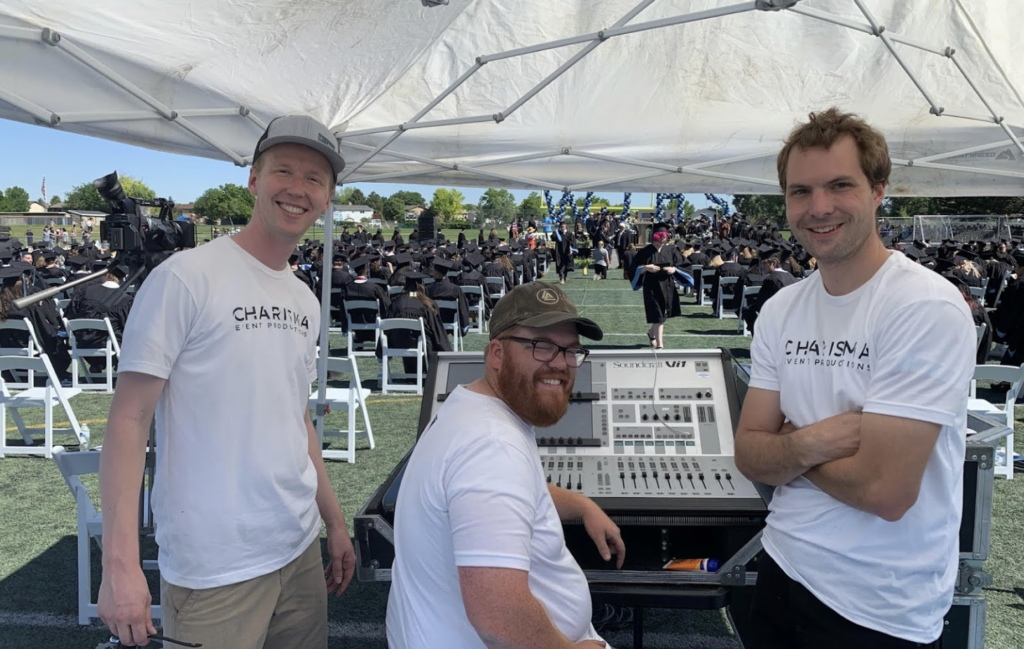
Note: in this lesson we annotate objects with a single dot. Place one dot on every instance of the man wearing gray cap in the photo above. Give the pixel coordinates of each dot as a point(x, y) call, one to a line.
point(223, 338)
point(480, 557)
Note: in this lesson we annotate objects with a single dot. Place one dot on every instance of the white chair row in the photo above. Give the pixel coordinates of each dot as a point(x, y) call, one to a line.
point(52, 394)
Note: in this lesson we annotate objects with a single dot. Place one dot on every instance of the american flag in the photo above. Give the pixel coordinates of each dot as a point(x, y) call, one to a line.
point(44, 189)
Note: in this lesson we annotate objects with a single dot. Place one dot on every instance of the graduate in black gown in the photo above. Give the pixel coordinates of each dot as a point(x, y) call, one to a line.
point(444, 289)
point(413, 303)
point(565, 251)
point(91, 302)
point(656, 264)
point(43, 316)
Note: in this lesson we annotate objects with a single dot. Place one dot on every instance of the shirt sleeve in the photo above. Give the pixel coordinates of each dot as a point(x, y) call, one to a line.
point(492, 505)
point(922, 360)
point(158, 326)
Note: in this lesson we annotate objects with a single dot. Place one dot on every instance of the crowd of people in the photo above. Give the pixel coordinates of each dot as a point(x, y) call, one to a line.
point(28, 270)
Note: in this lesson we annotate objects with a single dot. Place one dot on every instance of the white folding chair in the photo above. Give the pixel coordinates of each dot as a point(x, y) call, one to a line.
point(395, 290)
point(450, 308)
point(79, 355)
point(977, 292)
point(418, 351)
point(73, 466)
point(706, 277)
point(32, 348)
point(368, 348)
point(477, 311)
point(495, 287)
point(720, 297)
point(1015, 377)
point(46, 398)
point(351, 399)
point(748, 292)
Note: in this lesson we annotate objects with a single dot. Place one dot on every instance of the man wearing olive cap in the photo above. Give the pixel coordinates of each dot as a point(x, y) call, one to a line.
point(480, 557)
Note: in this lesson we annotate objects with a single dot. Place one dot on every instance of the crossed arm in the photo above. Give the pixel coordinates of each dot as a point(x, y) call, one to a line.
point(871, 462)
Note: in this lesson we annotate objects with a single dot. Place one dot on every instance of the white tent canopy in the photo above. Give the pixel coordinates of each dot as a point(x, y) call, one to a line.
point(609, 95)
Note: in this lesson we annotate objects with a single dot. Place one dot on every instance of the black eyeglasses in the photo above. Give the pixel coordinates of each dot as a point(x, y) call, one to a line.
point(545, 351)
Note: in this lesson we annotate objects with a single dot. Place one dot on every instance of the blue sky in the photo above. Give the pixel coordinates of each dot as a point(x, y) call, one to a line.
point(29, 153)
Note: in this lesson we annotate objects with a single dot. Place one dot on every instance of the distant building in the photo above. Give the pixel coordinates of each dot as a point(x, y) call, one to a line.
point(352, 213)
point(184, 209)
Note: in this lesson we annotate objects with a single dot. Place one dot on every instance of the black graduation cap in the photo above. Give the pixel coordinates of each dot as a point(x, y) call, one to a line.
point(59, 250)
point(118, 270)
point(413, 279)
point(50, 255)
point(942, 265)
point(10, 275)
point(966, 254)
point(402, 259)
point(659, 227)
point(913, 253)
point(78, 261)
point(474, 259)
point(766, 249)
point(444, 265)
point(358, 264)
point(388, 245)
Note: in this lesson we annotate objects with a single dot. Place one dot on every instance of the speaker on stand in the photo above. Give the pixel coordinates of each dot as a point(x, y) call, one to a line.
point(426, 227)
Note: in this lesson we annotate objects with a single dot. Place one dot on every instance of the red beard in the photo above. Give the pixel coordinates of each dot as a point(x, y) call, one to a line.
point(520, 390)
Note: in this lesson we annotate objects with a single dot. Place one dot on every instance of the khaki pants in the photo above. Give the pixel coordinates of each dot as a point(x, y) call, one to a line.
point(285, 609)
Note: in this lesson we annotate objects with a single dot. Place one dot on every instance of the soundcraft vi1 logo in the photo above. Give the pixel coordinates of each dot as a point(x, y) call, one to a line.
point(248, 318)
point(647, 365)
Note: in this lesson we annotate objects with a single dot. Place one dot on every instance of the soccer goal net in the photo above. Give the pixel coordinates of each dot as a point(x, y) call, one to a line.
point(934, 229)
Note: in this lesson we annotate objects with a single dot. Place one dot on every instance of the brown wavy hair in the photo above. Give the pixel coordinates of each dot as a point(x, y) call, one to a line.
point(824, 129)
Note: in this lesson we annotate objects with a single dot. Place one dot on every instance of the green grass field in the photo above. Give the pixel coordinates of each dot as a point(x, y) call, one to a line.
point(37, 544)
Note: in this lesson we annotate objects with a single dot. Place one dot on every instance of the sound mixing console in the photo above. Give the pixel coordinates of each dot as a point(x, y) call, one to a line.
point(642, 432)
point(648, 437)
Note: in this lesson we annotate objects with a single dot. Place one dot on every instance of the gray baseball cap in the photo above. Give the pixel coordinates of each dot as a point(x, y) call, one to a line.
point(301, 129)
point(539, 305)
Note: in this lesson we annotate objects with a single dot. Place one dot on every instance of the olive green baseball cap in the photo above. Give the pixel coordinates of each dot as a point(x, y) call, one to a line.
point(538, 305)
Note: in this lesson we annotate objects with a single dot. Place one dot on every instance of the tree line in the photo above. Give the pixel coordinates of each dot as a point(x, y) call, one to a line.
point(770, 208)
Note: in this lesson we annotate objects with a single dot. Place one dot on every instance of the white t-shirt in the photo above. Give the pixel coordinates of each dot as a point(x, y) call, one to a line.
point(235, 493)
point(474, 494)
point(900, 345)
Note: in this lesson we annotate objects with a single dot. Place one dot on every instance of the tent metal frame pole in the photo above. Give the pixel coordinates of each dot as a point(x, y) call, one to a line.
point(21, 33)
point(563, 42)
point(325, 324)
point(810, 12)
point(445, 166)
point(124, 116)
point(621, 179)
point(952, 154)
point(444, 94)
point(987, 119)
point(739, 158)
point(54, 39)
point(450, 165)
point(879, 31)
point(628, 161)
point(991, 172)
point(724, 176)
point(32, 109)
point(998, 119)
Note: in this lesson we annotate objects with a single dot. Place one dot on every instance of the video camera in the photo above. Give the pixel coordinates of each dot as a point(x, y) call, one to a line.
point(132, 233)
